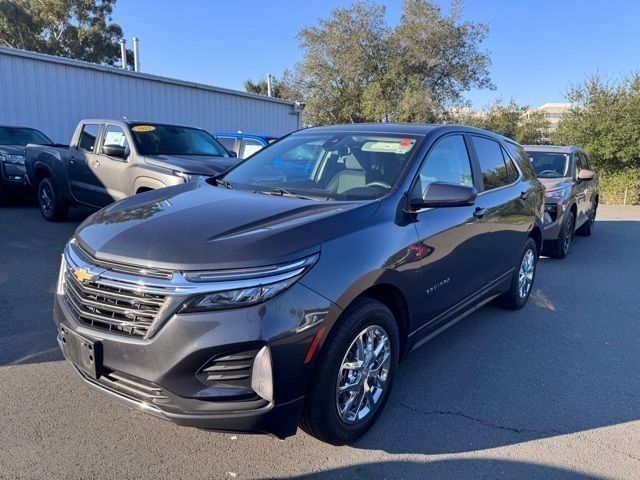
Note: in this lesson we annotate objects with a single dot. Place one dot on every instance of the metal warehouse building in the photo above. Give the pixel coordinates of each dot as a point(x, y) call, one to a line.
point(53, 94)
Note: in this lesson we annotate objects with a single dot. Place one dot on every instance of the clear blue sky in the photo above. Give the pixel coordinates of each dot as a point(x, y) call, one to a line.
point(537, 47)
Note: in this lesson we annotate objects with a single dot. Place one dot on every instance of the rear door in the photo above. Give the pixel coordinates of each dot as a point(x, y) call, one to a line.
point(582, 189)
point(502, 210)
point(453, 241)
point(83, 160)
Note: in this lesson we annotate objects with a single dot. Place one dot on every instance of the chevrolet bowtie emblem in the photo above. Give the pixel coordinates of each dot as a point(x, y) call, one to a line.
point(82, 275)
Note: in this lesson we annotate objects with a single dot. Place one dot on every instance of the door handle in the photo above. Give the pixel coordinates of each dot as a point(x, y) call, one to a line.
point(524, 195)
point(479, 212)
point(96, 163)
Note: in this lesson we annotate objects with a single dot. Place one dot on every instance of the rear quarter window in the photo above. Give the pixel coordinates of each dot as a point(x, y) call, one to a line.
point(517, 153)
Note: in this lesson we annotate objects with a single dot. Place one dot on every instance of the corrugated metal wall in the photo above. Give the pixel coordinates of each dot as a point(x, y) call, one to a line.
point(53, 94)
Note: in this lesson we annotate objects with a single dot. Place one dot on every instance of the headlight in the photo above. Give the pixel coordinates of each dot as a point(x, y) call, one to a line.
point(189, 177)
point(13, 159)
point(558, 193)
point(242, 288)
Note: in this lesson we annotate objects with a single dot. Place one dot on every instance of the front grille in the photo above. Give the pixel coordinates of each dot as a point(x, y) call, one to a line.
point(116, 309)
point(133, 387)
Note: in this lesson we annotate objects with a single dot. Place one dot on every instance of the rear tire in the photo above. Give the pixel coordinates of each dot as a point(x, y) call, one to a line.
point(53, 208)
point(523, 277)
point(560, 248)
point(364, 319)
point(587, 227)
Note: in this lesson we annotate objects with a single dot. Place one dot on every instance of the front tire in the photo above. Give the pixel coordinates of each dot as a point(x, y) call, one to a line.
point(522, 282)
point(354, 374)
point(560, 248)
point(53, 209)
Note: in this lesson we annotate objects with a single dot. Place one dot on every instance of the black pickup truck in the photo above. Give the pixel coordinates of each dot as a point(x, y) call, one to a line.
point(13, 143)
point(109, 160)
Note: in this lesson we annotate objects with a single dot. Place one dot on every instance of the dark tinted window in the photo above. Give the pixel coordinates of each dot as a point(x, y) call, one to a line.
point(518, 154)
point(512, 171)
point(22, 136)
point(447, 162)
point(492, 166)
point(88, 137)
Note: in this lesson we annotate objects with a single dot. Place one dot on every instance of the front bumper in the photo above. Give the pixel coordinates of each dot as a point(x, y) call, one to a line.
point(553, 222)
point(13, 175)
point(162, 375)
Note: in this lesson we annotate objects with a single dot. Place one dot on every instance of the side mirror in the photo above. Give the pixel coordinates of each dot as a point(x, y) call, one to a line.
point(115, 151)
point(442, 194)
point(585, 175)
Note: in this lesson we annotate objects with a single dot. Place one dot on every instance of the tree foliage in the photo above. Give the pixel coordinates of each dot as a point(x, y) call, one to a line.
point(280, 88)
point(79, 29)
point(605, 121)
point(519, 122)
point(357, 68)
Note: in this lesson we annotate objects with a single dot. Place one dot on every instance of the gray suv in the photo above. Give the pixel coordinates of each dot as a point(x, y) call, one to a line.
point(572, 194)
point(287, 290)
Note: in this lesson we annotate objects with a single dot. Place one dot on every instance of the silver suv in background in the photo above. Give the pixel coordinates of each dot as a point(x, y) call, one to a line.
point(572, 194)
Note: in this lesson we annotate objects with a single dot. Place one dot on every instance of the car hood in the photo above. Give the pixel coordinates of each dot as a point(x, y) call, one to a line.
point(196, 226)
point(194, 164)
point(555, 183)
point(12, 149)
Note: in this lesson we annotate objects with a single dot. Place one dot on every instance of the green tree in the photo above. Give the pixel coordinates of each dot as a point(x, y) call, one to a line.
point(519, 122)
point(79, 29)
point(605, 121)
point(280, 88)
point(356, 68)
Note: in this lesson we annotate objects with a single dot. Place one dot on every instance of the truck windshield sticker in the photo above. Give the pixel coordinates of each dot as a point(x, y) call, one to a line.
point(401, 146)
point(143, 128)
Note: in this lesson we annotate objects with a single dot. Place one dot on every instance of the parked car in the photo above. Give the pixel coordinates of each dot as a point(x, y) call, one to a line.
point(13, 140)
point(572, 194)
point(110, 160)
point(243, 144)
point(256, 301)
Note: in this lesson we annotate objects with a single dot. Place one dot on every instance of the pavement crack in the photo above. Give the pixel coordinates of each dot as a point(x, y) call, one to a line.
point(479, 420)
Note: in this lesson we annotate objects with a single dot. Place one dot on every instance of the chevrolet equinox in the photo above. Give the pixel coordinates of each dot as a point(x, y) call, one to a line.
point(286, 291)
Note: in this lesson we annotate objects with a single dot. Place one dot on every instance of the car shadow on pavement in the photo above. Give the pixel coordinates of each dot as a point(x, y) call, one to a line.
point(560, 365)
point(444, 469)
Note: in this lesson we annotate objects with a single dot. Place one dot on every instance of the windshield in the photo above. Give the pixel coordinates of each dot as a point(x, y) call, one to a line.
point(326, 165)
point(22, 136)
point(155, 139)
point(549, 165)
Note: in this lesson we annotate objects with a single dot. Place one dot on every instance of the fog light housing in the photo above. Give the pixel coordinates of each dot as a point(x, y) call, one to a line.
point(551, 211)
point(262, 376)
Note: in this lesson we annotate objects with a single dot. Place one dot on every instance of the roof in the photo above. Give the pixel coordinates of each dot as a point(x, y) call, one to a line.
point(129, 73)
point(550, 148)
point(406, 128)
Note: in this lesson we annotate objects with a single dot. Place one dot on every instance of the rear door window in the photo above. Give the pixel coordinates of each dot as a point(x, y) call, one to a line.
point(88, 137)
point(494, 171)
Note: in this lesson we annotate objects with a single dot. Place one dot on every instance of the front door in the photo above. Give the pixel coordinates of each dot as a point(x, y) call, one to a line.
point(112, 172)
point(456, 257)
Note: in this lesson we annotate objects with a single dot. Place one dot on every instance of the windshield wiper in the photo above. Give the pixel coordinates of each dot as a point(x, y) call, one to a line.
point(223, 182)
point(281, 192)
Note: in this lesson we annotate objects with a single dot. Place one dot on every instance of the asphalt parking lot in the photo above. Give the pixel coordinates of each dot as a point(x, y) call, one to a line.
point(551, 391)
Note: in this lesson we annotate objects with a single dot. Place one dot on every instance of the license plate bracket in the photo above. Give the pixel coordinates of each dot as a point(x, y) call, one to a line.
point(83, 353)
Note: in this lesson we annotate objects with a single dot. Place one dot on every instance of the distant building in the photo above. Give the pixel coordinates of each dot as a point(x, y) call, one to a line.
point(553, 112)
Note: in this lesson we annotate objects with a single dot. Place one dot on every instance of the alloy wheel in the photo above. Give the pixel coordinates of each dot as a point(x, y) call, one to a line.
point(46, 199)
point(568, 236)
point(363, 375)
point(526, 273)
